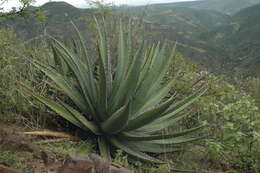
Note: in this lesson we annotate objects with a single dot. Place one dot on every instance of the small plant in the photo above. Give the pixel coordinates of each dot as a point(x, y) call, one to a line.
point(8, 158)
point(17, 160)
point(64, 148)
point(121, 100)
point(10, 101)
point(234, 125)
point(121, 159)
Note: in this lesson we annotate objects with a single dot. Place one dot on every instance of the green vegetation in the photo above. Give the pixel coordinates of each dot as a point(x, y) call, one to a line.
point(233, 117)
point(9, 73)
point(17, 160)
point(220, 43)
point(235, 127)
point(229, 7)
point(122, 105)
point(63, 148)
point(242, 58)
point(104, 90)
point(24, 4)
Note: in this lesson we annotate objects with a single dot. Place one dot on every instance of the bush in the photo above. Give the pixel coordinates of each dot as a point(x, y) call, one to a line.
point(10, 100)
point(122, 103)
point(234, 120)
point(233, 117)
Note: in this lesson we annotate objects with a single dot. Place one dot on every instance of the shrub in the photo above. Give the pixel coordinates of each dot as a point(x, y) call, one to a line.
point(234, 122)
point(9, 73)
point(122, 103)
point(240, 133)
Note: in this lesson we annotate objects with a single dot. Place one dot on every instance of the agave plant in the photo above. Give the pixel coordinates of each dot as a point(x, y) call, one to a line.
point(124, 104)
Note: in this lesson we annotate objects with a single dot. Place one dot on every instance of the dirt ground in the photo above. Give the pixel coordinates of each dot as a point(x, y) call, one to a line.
point(23, 153)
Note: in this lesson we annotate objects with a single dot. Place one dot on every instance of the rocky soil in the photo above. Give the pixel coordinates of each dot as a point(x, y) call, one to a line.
point(13, 141)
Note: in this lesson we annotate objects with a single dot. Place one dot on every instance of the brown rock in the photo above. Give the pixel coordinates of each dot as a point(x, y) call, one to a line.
point(89, 164)
point(47, 158)
point(4, 169)
point(118, 169)
point(77, 164)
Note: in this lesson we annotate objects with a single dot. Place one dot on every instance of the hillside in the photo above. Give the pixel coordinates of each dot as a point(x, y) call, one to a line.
point(190, 19)
point(240, 40)
point(58, 15)
point(216, 41)
point(115, 97)
point(185, 26)
point(177, 24)
point(229, 7)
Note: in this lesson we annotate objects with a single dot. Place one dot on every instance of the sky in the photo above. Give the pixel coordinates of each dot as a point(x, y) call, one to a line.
point(83, 3)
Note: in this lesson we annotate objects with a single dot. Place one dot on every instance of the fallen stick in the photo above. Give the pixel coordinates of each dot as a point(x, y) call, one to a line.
point(52, 134)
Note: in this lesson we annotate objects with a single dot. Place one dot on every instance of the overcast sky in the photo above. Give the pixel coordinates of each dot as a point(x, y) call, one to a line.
point(83, 3)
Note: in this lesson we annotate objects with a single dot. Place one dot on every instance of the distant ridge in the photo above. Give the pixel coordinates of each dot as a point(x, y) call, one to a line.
point(240, 39)
point(229, 7)
point(214, 40)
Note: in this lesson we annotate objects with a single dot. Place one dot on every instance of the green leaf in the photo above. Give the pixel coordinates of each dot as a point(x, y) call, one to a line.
point(104, 55)
point(154, 148)
point(87, 61)
point(159, 125)
point(147, 60)
point(133, 137)
point(156, 97)
point(102, 95)
point(181, 105)
point(104, 148)
point(122, 63)
point(133, 152)
point(64, 84)
point(59, 109)
point(152, 82)
point(79, 70)
point(117, 121)
point(90, 125)
point(149, 116)
point(129, 83)
point(178, 140)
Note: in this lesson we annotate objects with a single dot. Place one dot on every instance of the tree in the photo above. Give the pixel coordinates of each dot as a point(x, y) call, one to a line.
point(21, 10)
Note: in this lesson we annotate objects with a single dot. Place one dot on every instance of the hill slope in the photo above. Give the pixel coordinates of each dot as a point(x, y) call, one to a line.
point(58, 15)
point(224, 6)
point(217, 41)
point(240, 40)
